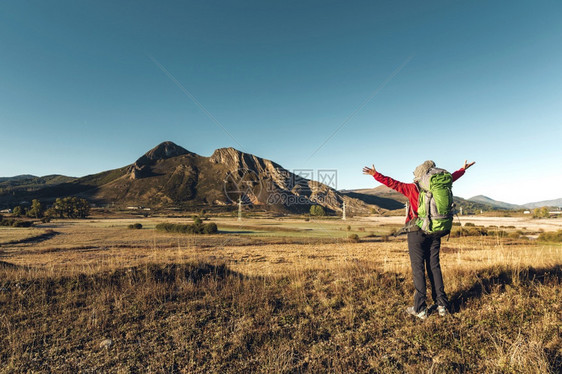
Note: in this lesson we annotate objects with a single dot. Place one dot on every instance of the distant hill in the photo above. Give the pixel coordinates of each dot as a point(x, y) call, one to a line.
point(31, 181)
point(170, 175)
point(494, 203)
point(469, 206)
point(389, 199)
point(29, 184)
point(503, 205)
point(381, 196)
point(552, 203)
point(16, 178)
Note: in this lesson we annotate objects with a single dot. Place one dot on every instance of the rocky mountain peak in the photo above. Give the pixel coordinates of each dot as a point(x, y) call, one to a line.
point(228, 156)
point(161, 152)
point(239, 162)
point(165, 150)
point(169, 174)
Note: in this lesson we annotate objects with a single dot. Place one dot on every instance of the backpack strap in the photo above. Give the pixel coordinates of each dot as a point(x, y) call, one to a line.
point(408, 227)
point(427, 218)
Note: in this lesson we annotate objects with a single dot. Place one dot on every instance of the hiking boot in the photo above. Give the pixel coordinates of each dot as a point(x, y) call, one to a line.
point(421, 315)
point(442, 310)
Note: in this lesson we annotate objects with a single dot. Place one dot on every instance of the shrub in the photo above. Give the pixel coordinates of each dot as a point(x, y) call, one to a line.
point(71, 207)
point(551, 236)
point(7, 222)
point(354, 238)
point(475, 231)
point(50, 213)
point(164, 227)
point(135, 226)
point(469, 224)
point(458, 232)
point(472, 231)
point(16, 223)
point(498, 233)
point(513, 235)
point(36, 210)
point(18, 211)
point(541, 212)
point(22, 224)
point(209, 228)
point(317, 210)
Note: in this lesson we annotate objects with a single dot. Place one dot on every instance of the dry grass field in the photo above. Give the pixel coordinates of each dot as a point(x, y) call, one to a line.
point(272, 295)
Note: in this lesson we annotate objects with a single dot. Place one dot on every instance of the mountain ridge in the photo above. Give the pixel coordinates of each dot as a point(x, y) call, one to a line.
point(170, 175)
point(497, 204)
point(504, 205)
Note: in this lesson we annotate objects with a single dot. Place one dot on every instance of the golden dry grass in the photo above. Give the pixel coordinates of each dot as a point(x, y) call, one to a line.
point(101, 244)
point(241, 302)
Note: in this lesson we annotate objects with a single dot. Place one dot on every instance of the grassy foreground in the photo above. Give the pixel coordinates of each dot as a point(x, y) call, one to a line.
point(200, 317)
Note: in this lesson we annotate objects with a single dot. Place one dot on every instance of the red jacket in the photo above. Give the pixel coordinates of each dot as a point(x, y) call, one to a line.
point(410, 190)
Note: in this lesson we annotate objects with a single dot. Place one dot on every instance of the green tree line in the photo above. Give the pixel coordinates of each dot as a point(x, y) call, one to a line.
point(70, 207)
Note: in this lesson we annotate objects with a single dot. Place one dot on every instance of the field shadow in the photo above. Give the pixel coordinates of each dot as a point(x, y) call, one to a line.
point(10, 266)
point(169, 273)
point(120, 278)
point(34, 239)
point(235, 232)
point(487, 283)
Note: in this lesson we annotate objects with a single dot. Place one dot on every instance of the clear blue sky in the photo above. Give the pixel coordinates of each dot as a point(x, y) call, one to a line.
point(84, 88)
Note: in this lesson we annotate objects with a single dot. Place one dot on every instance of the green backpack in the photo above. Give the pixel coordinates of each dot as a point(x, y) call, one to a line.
point(435, 205)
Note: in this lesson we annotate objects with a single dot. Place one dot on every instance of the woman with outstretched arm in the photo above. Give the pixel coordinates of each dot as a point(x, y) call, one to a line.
point(422, 247)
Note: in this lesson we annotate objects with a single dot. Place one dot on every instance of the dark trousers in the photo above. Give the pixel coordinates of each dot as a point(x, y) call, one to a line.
point(424, 254)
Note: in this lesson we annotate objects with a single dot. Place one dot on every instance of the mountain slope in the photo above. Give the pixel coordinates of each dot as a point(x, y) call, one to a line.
point(381, 196)
point(494, 203)
point(15, 190)
point(169, 175)
point(33, 182)
point(17, 178)
point(539, 204)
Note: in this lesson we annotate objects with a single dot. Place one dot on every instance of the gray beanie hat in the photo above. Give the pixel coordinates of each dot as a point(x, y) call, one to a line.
point(422, 169)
